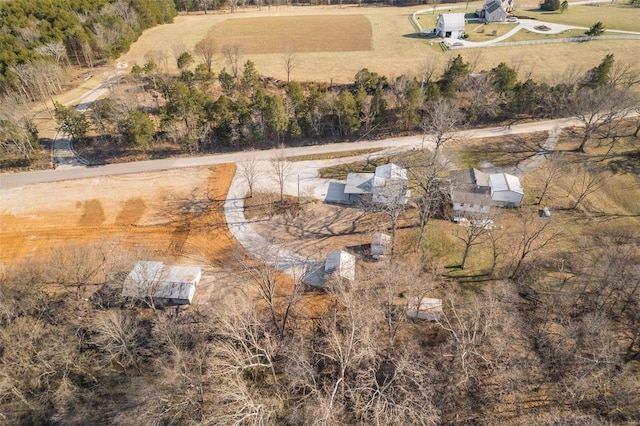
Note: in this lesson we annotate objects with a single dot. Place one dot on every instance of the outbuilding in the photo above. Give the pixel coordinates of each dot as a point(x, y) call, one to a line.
point(380, 245)
point(450, 25)
point(424, 308)
point(506, 190)
point(168, 285)
point(340, 264)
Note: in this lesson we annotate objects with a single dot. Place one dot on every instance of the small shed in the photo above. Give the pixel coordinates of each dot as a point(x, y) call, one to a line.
point(380, 245)
point(424, 308)
point(341, 264)
point(450, 25)
point(171, 285)
point(506, 190)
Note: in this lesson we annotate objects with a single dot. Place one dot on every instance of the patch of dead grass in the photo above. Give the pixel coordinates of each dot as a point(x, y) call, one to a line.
point(303, 34)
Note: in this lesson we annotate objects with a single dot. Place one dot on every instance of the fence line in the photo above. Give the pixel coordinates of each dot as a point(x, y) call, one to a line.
point(580, 39)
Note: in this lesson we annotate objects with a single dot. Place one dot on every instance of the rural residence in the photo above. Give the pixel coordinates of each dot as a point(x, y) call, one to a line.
point(450, 25)
point(166, 285)
point(495, 10)
point(388, 185)
point(474, 192)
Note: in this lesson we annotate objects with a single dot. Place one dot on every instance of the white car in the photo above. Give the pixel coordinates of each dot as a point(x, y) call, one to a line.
point(512, 19)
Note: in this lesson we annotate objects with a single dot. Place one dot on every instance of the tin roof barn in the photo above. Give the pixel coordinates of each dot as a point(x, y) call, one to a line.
point(450, 25)
point(424, 308)
point(171, 285)
point(341, 264)
point(506, 190)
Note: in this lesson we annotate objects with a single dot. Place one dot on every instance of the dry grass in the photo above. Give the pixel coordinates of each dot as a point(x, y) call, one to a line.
point(613, 16)
point(487, 32)
point(297, 34)
point(394, 47)
point(334, 155)
point(503, 151)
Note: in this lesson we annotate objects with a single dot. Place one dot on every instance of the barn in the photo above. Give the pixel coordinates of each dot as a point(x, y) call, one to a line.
point(450, 25)
point(167, 285)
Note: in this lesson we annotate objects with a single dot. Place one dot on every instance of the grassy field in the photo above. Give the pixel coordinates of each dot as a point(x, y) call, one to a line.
point(613, 16)
point(301, 34)
point(393, 47)
point(487, 32)
point(504, 151)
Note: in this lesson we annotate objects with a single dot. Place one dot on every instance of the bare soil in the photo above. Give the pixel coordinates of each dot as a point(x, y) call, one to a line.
point(175, 216)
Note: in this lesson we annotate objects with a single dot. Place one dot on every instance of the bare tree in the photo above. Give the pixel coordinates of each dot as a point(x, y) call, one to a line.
point(535, 235)
point(471, 233)
point(429, 68)
point(442, 117)
point(585, 183)
point(553, 168)
point(281, 292)
point(232, 54)
point(206, 49)
point(250, 172)
point(289, 61)
point(469, 327)
point(281, 169)
point(428, 192)
point(598, 108)
point(116, 335)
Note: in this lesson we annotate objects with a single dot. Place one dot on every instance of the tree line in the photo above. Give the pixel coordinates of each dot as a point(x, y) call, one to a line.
point(204, 110)
point(40, 38)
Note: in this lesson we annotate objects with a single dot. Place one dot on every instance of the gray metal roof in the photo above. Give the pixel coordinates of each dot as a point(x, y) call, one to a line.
point(359, 183)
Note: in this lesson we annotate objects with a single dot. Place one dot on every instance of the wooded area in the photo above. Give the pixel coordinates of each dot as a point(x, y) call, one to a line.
point(542, 328)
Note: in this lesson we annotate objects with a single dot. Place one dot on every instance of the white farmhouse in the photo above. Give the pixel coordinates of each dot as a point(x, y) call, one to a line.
point(506, 190)
point(450, 25)
point(495, 10)
point(470, 193)
point(169, 285)
point(388, 185)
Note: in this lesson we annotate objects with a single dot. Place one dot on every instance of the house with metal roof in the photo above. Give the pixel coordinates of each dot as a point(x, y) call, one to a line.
point(450, 25)
point(474, 192)
point(495, 10)
point(470, 193)
point(168, 285)
point(388, 185)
